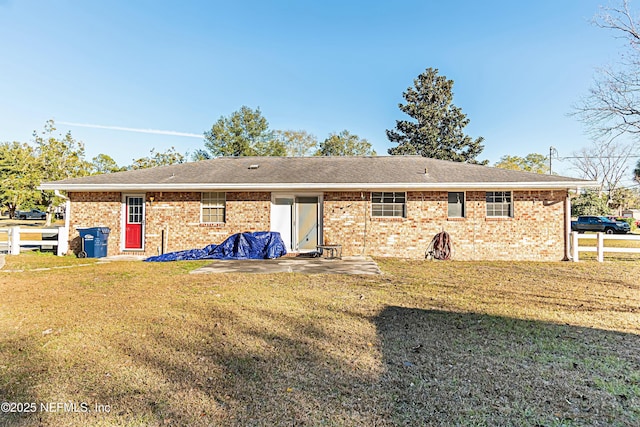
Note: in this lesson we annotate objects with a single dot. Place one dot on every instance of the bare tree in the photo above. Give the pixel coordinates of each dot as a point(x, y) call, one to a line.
point(612, 107)
point(605, 163)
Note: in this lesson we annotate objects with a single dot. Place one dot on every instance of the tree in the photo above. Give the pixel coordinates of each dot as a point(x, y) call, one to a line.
point(57, 158)
point(636, 173)
point(103, 163)
point(200, 154)
point(624, 198)
point(437, 128)
point(244, 133)
point(605, 163)
point(19, 177)
point(345, 144)
point(298, 143)
point(169, 157)
point(612, 107)
point(532, 162)
point(589, 203)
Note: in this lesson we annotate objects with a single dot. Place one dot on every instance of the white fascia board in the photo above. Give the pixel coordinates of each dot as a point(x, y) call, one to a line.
point(554, 185)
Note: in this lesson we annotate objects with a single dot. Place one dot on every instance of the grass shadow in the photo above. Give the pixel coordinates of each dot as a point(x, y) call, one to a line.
point(447, 368)
point(22, 368)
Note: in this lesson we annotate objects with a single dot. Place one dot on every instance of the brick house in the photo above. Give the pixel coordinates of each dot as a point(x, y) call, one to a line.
point(380, 206)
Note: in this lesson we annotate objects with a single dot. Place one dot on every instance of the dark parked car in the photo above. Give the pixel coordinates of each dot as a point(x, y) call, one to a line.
point(32, 214)
point(599, 224)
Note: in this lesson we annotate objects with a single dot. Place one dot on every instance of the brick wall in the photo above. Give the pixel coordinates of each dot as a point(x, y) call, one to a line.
point(536, 231)
point(177, 214)
point(94, 210)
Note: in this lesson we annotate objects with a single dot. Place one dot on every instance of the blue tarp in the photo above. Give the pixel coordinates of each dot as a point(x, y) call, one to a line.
point(258, 245)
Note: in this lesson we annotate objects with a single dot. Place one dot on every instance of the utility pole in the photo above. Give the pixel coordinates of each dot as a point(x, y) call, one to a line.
point(552, 151)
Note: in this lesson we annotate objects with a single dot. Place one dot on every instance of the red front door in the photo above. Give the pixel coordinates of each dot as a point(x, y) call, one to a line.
point(133, 222)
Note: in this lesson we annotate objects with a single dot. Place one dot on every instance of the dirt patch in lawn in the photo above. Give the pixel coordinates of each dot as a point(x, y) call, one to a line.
point(426, 343)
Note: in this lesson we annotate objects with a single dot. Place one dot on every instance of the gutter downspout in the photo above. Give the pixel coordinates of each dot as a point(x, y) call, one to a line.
point(63, 232)
point(366, 211)
point(567, 228)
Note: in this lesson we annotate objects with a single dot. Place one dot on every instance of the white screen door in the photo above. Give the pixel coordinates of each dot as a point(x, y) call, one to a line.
point(307, 223)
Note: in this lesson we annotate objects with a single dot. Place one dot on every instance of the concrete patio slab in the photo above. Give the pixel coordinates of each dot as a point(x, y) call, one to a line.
point(346, 265)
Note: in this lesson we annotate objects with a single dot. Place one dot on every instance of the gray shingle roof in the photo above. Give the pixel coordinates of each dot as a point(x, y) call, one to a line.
point(254, 173)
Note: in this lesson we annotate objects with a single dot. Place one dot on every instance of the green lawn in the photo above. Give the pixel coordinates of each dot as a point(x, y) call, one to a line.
point(427, 343)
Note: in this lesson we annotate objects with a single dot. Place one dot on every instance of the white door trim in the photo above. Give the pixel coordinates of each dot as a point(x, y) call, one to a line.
point(294, 219)
point(123, 221)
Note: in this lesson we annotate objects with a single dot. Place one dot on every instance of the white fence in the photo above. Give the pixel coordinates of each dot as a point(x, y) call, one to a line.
point(600, 248)
point(13, 238)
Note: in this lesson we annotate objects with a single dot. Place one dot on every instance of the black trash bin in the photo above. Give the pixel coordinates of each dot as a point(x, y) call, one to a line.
point(94, 242)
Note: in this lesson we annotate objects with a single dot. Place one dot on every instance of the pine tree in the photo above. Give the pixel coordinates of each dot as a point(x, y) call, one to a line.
point(437, 130)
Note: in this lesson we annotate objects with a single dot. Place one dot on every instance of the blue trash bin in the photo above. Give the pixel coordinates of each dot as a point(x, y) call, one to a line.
point(94, 242)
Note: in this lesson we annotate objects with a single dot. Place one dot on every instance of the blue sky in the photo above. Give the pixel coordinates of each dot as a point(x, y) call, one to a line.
point(518, 67)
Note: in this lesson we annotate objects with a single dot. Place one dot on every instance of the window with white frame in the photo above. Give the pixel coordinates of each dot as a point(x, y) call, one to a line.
point(388, 204)
point(499, 204)
point(213, 206)
point(456, 204)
